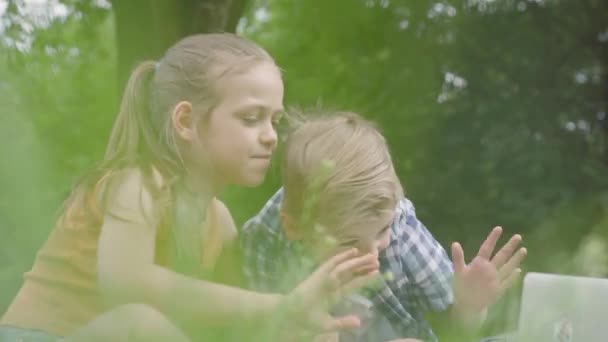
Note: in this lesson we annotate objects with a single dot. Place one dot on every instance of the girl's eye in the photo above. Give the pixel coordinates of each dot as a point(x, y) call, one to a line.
point(348, 243)
point(250, 118)
point(255, 118)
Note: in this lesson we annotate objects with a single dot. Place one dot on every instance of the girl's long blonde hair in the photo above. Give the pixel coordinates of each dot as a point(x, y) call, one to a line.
point(143, 136)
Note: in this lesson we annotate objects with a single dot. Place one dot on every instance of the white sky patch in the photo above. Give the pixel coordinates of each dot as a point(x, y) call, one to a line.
point(3, 6)
point(262, 14)
point(31, 14)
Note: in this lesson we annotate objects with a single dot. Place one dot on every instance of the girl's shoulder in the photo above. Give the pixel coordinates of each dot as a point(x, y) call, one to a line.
point(131, 193)
point(223, 218)
point(124, 181)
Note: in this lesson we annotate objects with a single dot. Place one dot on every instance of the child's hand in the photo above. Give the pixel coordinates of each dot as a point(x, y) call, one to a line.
point(480, 283)
point(338, 276)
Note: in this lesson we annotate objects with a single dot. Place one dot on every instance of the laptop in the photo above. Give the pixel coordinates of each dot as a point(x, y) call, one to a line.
point(559, 308)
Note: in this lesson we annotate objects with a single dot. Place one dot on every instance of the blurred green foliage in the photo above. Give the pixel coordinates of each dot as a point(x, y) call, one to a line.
point(495, 111)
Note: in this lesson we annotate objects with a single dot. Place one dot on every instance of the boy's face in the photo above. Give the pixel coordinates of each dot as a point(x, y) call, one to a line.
point(372, 238)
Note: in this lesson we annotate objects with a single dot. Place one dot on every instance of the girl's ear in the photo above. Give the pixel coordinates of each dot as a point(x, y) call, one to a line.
point(289, 228)
point(183, 121)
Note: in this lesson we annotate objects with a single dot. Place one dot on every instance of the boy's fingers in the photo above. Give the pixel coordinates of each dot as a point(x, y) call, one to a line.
point(340, 323)
point(487, 247)
point(337, 259)
point(513, 263)
point(458, 257)
point(506, 251)
point(349, 269)
point(366, 268)
point(510, 281)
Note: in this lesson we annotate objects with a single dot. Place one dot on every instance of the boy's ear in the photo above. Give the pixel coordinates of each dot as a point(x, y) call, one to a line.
point(289, 227)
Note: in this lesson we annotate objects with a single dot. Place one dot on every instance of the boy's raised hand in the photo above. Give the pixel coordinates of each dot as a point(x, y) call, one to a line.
point(310, 301)
point(481, 282)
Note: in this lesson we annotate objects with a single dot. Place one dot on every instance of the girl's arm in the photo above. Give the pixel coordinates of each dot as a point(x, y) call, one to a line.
point(127, 272)
point(228, 268)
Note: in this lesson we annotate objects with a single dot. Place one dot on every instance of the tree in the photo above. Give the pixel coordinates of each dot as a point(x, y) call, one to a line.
point(145, 29)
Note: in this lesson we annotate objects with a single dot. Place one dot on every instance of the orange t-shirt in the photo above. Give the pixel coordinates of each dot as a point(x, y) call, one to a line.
point(60, 292)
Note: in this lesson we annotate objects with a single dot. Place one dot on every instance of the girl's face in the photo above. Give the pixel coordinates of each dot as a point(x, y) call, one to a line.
point(239, 137)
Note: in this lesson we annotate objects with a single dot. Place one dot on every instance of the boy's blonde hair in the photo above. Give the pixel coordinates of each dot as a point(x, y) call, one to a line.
point(338, 175)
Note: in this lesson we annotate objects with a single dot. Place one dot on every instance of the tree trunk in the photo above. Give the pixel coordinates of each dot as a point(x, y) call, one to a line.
point(145, 29)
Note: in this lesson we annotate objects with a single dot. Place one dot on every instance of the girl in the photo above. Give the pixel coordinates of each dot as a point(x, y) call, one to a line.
point(137, 234)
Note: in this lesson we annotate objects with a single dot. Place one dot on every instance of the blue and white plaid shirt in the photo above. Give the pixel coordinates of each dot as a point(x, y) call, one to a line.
point(421, 270)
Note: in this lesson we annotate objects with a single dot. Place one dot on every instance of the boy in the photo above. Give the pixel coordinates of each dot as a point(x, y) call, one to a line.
point(341, 190)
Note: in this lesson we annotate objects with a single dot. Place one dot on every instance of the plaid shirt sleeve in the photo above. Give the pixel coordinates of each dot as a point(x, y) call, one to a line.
point(426, 271)
point(260, 242)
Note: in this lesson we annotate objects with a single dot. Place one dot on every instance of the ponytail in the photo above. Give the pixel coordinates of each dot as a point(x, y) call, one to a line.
point(126, 136)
